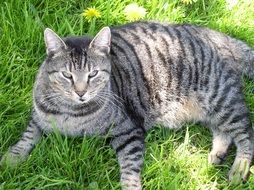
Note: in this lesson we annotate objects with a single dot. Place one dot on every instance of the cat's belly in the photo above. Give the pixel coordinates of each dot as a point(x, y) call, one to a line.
point(175, 114)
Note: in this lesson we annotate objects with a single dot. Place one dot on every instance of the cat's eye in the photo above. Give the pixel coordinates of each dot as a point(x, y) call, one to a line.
point(93, 73)
point(67, 75)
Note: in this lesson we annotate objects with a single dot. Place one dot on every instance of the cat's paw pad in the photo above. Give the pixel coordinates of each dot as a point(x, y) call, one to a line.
point(11, 160)
point(239, 171)
point(216, 158)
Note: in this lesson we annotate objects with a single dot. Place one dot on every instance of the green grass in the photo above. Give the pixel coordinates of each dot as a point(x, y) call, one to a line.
point(173, 160)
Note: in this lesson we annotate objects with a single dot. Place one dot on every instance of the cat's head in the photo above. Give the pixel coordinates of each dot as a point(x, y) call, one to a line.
point(77, 69)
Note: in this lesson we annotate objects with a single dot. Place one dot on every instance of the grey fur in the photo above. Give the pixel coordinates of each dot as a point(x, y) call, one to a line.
point(153, 73)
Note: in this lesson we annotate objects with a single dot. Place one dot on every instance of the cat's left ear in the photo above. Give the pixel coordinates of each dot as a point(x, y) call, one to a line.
point(101, 41)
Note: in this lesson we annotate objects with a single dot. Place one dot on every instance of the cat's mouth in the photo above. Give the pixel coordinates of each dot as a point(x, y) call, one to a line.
point(83, 100)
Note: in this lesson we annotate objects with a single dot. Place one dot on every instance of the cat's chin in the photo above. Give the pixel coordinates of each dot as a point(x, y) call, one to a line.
point(77, 102)
point(82, 101)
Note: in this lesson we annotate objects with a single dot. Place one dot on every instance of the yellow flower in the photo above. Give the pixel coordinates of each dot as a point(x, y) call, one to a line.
point(134, 12)
point(91, 13)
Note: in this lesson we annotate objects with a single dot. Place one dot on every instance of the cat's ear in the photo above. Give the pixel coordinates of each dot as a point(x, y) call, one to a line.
point(102, 40)
point(53, 42)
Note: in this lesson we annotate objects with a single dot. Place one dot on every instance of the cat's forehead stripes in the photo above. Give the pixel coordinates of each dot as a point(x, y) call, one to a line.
point(78, 53)
point(78, 60)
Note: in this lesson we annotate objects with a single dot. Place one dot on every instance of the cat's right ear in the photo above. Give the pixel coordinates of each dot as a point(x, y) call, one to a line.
point(54, 43)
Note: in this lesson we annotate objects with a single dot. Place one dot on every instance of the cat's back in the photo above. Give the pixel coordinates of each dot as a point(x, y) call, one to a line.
point(152, 63)
point(171, 38)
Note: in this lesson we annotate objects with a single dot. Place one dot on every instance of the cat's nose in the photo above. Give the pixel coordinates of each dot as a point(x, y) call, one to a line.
point(80, 93)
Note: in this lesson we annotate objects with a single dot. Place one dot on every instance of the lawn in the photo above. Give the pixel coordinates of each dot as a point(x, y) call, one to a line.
point(173, 160)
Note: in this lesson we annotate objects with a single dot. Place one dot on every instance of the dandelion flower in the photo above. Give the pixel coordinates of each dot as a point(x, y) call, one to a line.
point(91, 13)
point(134, 12)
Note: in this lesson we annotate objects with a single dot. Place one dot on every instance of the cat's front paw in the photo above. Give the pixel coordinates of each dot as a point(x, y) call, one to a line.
point(239, 171)
point(10, 159)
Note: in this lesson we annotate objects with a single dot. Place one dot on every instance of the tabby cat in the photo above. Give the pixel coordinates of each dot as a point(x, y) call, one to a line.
point(128, 78)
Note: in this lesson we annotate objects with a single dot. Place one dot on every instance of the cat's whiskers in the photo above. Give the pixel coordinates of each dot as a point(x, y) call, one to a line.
point(48, 98)
point(112, 96)
point(110, 99)
point(51, 98)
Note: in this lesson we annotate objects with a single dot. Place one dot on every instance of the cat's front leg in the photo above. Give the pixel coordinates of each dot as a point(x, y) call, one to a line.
point(20, 151)
point(129, 146)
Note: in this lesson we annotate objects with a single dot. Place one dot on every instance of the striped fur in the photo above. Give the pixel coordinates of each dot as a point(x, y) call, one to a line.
point(153, 73)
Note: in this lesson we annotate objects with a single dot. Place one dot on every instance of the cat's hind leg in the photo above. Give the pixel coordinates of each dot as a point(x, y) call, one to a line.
point(243, 137)
point(234, 123)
